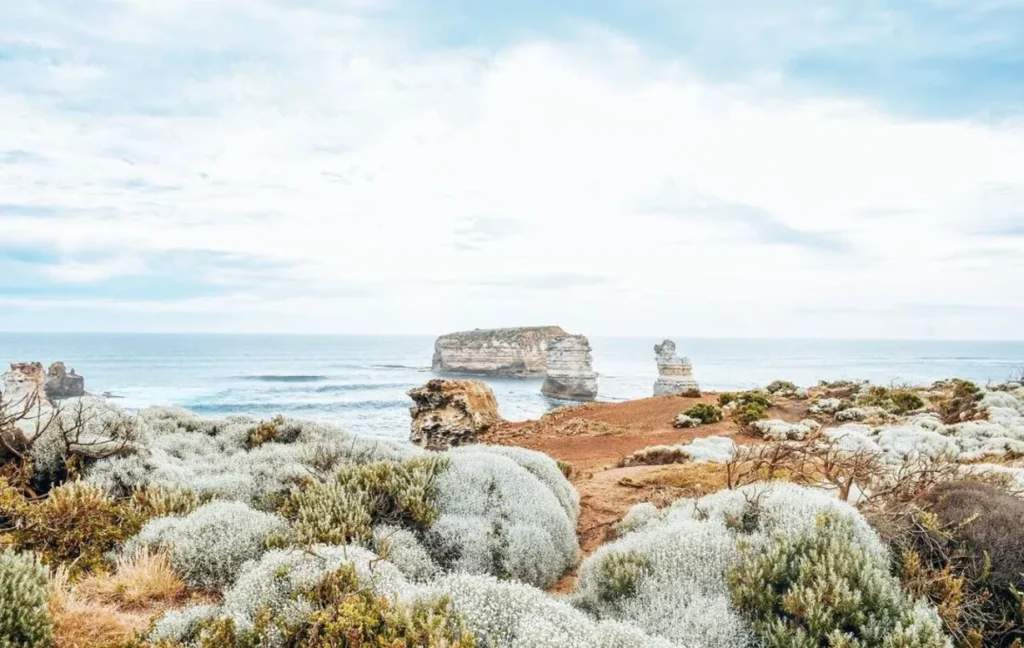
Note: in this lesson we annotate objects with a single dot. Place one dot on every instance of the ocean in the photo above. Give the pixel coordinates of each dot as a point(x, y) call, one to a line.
point(360, 382)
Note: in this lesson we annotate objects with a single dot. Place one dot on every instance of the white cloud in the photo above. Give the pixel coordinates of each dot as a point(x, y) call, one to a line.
point(79, 272)
point(451, 187)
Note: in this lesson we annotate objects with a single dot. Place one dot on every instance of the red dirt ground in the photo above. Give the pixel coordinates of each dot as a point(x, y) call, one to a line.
point(594, 437)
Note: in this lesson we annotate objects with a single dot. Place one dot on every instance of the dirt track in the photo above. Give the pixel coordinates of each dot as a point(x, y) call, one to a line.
point(596, 436)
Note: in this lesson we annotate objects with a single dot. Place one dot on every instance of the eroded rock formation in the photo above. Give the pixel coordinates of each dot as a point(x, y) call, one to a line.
point(510, 352)
point(61, 383)
point(675, 374)
point(24, 386)
point(570, 375)
point(451, 413)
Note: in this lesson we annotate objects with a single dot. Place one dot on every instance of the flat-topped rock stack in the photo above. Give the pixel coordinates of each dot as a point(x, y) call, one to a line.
point(506, 352)
point(675, 374)
point(451, 413)
point(570, 375)
point(61, 383)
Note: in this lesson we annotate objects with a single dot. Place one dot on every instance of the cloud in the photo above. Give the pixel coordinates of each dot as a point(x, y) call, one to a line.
point(763, 226)
point(553, 281)
point(476, 232)
point(339, 166)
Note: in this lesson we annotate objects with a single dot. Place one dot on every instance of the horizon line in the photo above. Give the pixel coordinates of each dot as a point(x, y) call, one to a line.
point(434, 334)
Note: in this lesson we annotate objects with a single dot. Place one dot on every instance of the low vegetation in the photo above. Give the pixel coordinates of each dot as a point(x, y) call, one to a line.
point(24, 591)
point(959, 400)
point(346, 507)
point(705, 413)
point(894, 401)
point(746, 407)
point(781, 387)
point(344, 613)
point(827, 588)
point(960, 547)
point(164, 530)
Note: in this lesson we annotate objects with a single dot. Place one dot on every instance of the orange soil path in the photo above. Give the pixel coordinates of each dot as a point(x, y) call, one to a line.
point(596, 436)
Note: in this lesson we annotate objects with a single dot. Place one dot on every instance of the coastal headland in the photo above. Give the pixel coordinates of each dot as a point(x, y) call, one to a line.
point(651, 522)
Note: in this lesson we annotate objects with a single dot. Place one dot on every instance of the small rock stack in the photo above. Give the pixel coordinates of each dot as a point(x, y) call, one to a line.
point(60, 383)
point(675, 374)
point(451, 413)
point(570, 375)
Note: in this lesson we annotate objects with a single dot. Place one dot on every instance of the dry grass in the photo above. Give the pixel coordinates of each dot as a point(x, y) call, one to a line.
point(111, 609)
point(693, 479)
point(80, 623)
point(656, 456)
point(139, 581)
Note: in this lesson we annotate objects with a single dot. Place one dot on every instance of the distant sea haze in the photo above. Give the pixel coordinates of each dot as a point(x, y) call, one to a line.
point(360, 382)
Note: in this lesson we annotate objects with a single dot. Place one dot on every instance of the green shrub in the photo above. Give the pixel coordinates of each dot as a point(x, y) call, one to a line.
point(750, 412)
point(24, 592)
point(148, 503)
point(895, 401)
point(345, 508)
point(346, 615)
point(621, 574)
point(823, 589)
point(777, 386)
point(13, 506)
point(76, 524)
point(906, 401)
point(756, 397)
point(705, 413)
point(750, 406)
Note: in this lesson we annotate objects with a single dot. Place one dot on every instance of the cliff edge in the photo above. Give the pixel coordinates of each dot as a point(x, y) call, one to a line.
point(508, 352)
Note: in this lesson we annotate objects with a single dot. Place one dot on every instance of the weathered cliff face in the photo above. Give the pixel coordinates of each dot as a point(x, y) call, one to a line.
point(675, 374)
point(570, 375)
point(60, 383)
point(24, 386)
point(512, 352)
point(451, 413)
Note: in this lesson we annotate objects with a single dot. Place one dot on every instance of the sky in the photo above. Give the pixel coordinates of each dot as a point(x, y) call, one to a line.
point(736, 168)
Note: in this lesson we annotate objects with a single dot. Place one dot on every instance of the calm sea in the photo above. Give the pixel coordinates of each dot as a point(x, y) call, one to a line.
point(360, 381)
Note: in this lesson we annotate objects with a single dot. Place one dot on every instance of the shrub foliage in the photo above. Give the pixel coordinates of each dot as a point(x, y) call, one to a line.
point(346, 507)
point(24, 590)
point(823, 589)
point(705, 413)
point(345, 615)
point(962, 547)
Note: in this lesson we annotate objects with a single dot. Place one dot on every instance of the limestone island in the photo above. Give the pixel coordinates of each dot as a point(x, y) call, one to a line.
point(506, 352)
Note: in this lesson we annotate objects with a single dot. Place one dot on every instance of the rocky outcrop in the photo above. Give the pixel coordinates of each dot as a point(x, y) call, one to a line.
point(24, 386)
point(510, 352)
point(451, 413)
point(570, 375)
point(61, 383)
point(675, 374)
point(683, 422)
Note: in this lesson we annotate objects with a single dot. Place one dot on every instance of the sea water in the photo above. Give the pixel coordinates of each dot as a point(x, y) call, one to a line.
point(360, 382)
